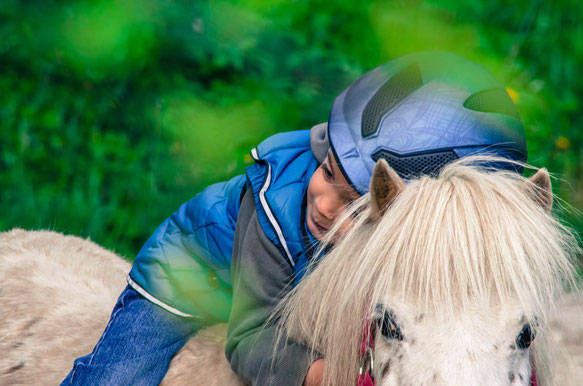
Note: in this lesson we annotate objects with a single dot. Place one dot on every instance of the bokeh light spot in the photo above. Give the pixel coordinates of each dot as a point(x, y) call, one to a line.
point(563, 143)
point(109, 37)
point(513, 94)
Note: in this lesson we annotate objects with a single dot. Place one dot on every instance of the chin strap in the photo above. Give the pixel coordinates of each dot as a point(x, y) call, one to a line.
point(366, 356)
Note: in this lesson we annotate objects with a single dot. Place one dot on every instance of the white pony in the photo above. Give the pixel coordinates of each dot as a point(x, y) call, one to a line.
point(456, 275)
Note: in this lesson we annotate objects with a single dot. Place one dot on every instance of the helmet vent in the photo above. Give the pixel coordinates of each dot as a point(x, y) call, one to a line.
point(391, 93)
point(416, 165)
point(494, 100)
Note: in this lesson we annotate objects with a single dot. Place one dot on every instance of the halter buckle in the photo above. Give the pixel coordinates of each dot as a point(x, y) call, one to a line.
point(367, 362)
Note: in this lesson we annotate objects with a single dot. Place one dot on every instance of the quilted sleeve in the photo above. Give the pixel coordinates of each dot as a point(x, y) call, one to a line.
point(185, 264)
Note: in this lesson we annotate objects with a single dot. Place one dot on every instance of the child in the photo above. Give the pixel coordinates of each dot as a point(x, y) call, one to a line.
point(232, 252)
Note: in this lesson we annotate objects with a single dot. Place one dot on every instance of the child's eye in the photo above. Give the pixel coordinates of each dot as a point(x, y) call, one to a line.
point(327, 172)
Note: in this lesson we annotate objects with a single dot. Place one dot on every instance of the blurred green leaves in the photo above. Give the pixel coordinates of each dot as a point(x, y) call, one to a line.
point(108, 37)
point(410, 28)
point(112, 113)
point(205, 134)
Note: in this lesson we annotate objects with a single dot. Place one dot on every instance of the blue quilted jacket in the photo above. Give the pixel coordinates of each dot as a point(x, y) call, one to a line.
point(185, 266)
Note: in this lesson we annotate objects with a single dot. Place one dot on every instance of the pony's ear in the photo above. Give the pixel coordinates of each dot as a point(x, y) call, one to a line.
point(385, 185)
point(538, 187)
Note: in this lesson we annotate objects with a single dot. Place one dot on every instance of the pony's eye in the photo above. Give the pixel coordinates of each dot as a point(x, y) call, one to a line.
point(525, 337)
point(389, 327)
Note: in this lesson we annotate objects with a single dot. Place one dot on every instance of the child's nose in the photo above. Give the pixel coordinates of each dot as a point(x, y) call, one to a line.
point(328, 207)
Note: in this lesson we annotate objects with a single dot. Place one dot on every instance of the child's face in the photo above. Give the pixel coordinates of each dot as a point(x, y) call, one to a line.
point(328, 195)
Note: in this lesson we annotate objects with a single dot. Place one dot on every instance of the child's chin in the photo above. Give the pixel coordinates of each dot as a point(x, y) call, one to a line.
point(316, 232)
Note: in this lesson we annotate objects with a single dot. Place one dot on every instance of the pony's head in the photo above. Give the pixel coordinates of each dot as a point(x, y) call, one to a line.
point(457, 274)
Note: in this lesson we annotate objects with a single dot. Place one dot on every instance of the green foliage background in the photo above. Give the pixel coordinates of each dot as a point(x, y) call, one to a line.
point(114, 112)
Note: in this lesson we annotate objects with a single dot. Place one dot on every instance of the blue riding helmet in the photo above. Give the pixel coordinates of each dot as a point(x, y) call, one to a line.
point(419, 112)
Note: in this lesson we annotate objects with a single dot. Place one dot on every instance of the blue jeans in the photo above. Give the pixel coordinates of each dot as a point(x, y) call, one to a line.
point(136, 347)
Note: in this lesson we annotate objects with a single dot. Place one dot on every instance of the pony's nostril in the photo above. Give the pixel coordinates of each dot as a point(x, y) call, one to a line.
point(386, 368)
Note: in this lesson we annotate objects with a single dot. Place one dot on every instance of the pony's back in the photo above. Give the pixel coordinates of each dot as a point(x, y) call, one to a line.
point(56, 295)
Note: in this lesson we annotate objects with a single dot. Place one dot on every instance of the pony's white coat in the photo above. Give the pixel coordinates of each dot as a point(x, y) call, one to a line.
point(463, 261)
point(56, 295)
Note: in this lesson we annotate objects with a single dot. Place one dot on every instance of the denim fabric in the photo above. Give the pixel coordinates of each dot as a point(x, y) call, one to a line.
point(136, 347)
